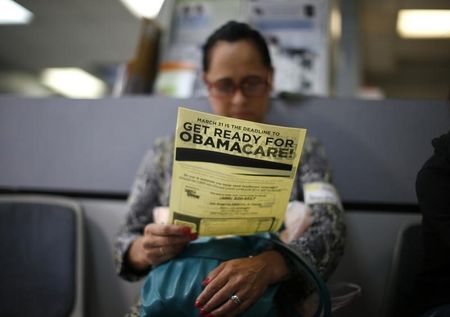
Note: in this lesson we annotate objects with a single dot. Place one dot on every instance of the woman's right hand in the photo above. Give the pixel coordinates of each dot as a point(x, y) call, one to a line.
point(159, 243)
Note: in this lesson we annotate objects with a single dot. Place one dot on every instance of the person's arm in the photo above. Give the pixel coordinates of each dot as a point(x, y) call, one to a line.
point(142, 199)
point(247, 278)
point(323, 241)
point(149, 190)
point(433, 188)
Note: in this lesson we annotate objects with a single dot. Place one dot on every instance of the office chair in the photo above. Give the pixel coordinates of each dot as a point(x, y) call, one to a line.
point(41, 256)
point(399, 297)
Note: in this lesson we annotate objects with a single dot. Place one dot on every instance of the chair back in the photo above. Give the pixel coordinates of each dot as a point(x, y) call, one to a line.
point(400, 294)
point(41, 251)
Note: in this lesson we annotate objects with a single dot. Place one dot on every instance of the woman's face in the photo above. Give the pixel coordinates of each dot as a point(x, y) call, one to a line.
point(238, 83)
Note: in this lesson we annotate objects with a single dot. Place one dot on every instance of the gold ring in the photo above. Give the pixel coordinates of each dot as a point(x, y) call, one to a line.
point(161, 250)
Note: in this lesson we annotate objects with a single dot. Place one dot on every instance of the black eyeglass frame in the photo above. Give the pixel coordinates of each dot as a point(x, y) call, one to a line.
point(245, 85)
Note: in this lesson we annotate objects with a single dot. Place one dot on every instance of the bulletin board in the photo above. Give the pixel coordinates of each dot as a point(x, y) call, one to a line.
point(297, 32)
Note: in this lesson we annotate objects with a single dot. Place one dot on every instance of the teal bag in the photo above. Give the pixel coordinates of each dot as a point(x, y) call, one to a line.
point(172, 288)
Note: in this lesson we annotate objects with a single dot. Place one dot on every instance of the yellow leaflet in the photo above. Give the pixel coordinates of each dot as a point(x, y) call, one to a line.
point(232, 176)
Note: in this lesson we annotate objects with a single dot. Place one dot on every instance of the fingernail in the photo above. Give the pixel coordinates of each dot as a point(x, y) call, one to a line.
point(203, 311)
point(205, 281)
point(194, 236)
point(197, 304)
point(186, 231)
point(209, 315)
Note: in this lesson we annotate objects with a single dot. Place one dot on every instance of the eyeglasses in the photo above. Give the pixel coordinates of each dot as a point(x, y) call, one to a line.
point(250, 86)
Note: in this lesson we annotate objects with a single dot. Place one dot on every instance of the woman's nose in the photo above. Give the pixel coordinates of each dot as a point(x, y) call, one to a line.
point(238, 98)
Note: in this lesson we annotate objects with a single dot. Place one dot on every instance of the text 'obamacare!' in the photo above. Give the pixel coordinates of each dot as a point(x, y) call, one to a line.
point(237, 141)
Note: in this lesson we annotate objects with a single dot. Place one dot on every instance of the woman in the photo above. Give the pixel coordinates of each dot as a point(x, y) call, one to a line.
point(238, 73)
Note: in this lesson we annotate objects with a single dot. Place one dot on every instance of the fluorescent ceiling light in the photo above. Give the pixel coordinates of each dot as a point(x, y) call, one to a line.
point(73, 83)
point(13, 13)
point(144, 8)
point(423, 23)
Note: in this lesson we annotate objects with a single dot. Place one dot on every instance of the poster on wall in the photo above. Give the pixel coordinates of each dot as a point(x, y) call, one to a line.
point(193, 21)
point(297, 33)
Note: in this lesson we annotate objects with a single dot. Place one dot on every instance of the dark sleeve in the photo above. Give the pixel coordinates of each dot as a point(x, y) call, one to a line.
point(433, 194)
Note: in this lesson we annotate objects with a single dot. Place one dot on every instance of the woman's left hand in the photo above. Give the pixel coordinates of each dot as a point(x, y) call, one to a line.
point(246, 278)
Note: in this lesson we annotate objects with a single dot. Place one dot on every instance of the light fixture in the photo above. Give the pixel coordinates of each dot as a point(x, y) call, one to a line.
point(144, 8)
point(335, 23)
point(13, 13)
point(73, 83)
point(423, 23)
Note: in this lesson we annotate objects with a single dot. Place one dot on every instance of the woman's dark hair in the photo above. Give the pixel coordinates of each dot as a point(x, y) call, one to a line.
point(233, 31)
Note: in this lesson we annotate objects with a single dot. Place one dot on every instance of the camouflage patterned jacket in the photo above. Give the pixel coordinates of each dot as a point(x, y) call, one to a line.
point(322, 243)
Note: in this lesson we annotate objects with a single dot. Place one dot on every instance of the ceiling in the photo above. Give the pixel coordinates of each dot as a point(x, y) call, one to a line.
point(403, 68)
point(78, 33)
point(92, 34)
point(383, 48)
